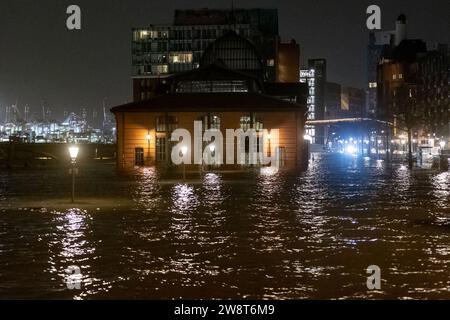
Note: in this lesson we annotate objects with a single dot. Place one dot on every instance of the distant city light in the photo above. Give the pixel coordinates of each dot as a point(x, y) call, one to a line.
point(351, 149)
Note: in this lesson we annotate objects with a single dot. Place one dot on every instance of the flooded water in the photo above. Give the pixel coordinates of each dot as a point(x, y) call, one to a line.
point(228, 235)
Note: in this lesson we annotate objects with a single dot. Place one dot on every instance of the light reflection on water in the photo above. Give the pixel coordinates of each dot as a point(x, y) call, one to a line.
point(231, 235)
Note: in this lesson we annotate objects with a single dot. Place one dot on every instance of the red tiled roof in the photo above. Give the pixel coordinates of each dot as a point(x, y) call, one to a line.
point(210, 101)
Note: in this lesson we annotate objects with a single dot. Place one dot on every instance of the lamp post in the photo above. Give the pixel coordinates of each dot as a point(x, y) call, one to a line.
point(183, 152)
point(73, 151)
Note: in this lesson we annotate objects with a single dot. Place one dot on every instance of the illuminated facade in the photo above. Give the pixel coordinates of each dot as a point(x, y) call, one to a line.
point(159, 51)
point(308, 76)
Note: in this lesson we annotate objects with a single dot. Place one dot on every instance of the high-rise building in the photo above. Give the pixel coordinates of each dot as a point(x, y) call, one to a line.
point(288, 62)
point(308, 77)
point(316, 77)
point(381, 44)
point(433, 90)
point(159, 51)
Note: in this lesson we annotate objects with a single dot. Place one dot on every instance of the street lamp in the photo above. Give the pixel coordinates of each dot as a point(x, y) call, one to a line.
point(73, 151)
point(184, 150)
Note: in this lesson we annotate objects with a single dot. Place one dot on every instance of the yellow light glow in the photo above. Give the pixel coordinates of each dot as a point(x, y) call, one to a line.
point(73, 151)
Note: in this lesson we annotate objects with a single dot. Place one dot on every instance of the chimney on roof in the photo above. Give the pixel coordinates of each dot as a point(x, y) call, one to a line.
point(400, 29)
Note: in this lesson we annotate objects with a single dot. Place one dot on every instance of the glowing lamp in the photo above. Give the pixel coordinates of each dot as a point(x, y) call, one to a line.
point(73, 151)
point(351, 149)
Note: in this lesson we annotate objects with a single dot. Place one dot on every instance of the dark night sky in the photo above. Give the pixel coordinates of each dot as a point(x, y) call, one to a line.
point(41, 59)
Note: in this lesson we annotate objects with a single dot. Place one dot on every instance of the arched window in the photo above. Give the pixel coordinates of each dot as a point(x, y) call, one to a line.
point(211, 121)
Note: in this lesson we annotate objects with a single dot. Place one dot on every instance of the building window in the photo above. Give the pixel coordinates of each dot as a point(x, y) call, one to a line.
point(214, 122)
point(160, 68)
point(394, 76)
point(245, 122)
point(139, 157)
point(372, 85)
point(270, 62)
point(180, 58)
point(166, 123)
point(212, 86)
point(400, 76)
point(258, 124)
point(210, 121)
point(161, 149)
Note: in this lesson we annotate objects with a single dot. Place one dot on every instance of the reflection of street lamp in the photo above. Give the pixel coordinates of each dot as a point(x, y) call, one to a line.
point(73, 151)
point(403, 142)
point(442, 145)
point(148, 137)
point(269, 137)
point(183, 152)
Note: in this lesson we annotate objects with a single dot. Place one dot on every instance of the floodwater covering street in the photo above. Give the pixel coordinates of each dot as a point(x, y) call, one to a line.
point(223, 235)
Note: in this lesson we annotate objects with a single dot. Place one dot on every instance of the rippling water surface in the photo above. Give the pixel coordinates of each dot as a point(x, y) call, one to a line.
point(228, 235)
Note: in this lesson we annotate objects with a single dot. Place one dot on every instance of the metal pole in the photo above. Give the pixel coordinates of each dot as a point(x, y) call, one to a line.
point(73, 182)
point(184, 171)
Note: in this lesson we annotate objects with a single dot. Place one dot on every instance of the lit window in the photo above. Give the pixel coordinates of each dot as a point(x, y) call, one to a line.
point(160, 69)
point(394, 76)
point(144, 34)
point(372, 85)
point(180, 58)
point(245, 122)
point(400, 76)
point(270, 62)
